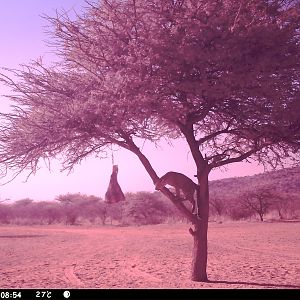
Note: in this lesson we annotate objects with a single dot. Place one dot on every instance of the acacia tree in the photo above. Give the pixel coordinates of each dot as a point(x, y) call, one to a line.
point(222, 74)
point(218, 204)
point(258, 201)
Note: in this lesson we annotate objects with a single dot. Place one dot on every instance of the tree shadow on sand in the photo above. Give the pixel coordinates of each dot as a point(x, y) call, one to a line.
point(266, 285)
point(282, 221)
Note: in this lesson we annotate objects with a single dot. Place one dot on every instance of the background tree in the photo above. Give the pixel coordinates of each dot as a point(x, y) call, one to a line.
point(75, 206)
point(21, 211)
point(221, 74)
point(5, 213)
point(284, 184)
point(144, 208)
point(70, 207)
point(258, 201)
point(218, 204)
point(286, 205)
point(115, 212)
point(47, 212)
point(93, 208)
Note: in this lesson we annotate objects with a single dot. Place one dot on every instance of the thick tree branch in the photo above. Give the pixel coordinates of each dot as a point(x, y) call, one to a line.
point(131, 146)
point(243, 156)
point(199, 114)
point(216, 133)
point(188, 133)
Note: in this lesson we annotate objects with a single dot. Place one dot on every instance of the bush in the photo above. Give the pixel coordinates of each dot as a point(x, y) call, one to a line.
point(75, 206)
point(5, 213)
point(144, 208)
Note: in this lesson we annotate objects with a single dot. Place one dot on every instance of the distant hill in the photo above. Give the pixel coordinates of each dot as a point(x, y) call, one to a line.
point(285, 180)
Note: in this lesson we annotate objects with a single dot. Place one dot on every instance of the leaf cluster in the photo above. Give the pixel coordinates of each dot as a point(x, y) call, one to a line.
point(222, 74)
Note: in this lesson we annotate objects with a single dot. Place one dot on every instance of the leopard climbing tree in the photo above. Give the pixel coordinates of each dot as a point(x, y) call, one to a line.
point(181, 183)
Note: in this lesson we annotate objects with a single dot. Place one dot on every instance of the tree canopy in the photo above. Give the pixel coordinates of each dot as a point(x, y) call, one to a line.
point(222, 74)
point(225, 74)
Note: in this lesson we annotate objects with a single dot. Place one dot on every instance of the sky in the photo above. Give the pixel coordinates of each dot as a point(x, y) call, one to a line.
point(23, 38)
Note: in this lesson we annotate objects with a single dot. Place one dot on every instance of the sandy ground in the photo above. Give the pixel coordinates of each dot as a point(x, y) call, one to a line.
point(241, 255)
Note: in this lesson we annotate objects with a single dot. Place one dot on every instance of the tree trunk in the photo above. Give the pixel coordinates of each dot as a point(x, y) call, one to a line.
point(279, 213)
point(199, 261)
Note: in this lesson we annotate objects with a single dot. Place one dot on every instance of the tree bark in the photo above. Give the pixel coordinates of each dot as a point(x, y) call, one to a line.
point(148, 167)
point(200, 222)
point(279, 213)
point(199, 260)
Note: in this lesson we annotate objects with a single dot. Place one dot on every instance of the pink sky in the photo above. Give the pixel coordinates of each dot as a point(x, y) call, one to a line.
point(22, 38)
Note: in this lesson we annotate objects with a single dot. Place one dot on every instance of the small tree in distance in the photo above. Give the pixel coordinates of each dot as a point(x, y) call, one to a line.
point(218, 204)
point(286, 205)
point(144, 208)
point(221, 74)
point(77, 205)
point(258, 201)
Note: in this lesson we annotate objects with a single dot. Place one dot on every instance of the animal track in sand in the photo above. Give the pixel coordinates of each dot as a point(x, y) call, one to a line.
point(71, 276)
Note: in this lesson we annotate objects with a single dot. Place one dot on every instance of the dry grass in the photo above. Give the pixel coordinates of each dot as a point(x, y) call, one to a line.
point(241, 255)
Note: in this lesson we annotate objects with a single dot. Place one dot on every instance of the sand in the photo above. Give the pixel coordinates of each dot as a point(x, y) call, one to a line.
point(241, 255)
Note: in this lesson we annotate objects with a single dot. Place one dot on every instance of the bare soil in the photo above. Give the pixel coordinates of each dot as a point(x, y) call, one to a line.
point(241, 255)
